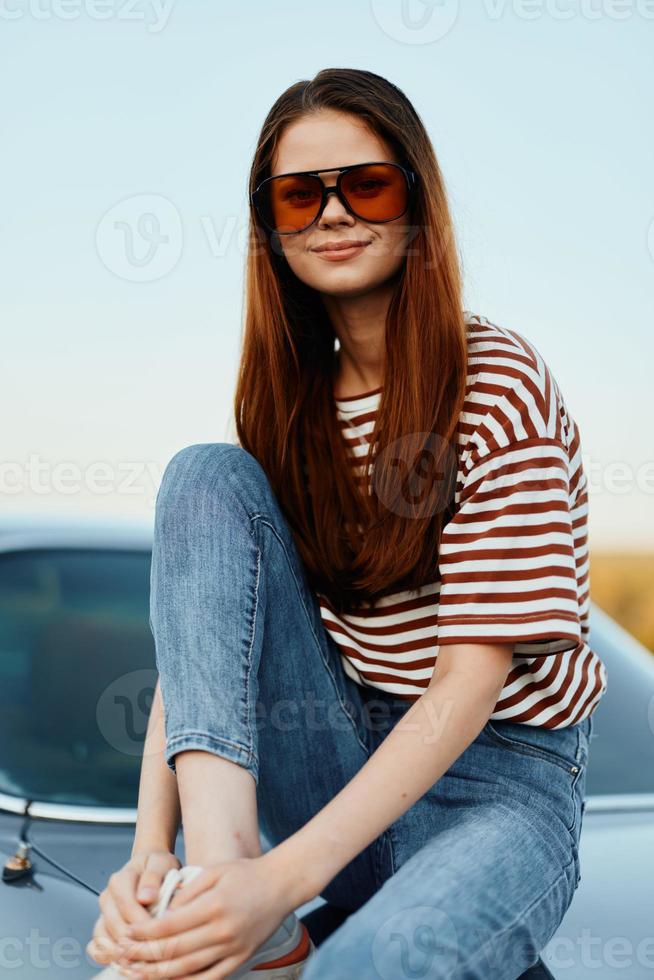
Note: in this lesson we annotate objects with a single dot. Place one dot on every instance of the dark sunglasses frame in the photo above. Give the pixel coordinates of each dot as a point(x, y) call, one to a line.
point(258, 196)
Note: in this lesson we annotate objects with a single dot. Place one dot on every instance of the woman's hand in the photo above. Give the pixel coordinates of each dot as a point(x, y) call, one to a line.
point(214, 923)
point(122, 902)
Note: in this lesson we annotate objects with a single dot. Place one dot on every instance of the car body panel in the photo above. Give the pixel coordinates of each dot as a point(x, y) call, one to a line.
point(608, 931)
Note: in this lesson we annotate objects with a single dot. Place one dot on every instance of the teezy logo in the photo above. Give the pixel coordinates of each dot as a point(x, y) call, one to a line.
point(140, 239)
point(414, 944)
point(415, 21)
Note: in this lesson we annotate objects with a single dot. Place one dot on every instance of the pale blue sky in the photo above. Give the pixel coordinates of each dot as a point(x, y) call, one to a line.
point(540, 114)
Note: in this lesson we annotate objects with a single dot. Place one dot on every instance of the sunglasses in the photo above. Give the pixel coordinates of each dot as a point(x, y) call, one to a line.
point(376, 192)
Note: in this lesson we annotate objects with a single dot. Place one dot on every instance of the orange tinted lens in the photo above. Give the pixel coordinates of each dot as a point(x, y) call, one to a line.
point(377, 192)
point(294, 202)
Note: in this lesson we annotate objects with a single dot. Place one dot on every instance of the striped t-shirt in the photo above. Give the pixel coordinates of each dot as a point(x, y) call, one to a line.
point(513, 562)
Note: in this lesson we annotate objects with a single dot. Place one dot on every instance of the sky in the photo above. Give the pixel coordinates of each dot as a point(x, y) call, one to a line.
point(128, 128)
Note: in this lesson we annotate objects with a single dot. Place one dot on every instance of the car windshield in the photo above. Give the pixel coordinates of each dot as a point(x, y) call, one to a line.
point(77, 674)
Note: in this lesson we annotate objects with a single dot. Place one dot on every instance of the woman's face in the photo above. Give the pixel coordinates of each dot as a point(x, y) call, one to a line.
point(334, 139)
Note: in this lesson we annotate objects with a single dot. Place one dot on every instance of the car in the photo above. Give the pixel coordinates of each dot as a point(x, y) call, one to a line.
point(77, 676)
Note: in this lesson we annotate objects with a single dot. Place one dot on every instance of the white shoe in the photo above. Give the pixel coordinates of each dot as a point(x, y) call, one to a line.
point(281, 957)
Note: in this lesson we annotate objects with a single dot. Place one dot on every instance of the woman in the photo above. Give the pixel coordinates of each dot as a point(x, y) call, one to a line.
point(385, 667)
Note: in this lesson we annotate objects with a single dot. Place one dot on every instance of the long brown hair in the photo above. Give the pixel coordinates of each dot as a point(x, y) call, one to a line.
point(356, 545)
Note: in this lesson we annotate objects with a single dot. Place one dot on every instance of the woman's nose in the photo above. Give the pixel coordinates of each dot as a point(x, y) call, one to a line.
point(334, 209)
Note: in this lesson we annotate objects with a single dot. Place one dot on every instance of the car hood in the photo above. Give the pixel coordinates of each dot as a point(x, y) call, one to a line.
point(48, 918)
point(89, 851)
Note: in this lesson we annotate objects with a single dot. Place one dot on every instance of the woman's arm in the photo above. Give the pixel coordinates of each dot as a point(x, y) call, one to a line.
point(153, 847)
point(421, 747)
point(159, 811)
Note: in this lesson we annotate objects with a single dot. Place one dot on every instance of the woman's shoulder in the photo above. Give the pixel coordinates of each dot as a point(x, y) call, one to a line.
point(507, 353)
point(512, 394)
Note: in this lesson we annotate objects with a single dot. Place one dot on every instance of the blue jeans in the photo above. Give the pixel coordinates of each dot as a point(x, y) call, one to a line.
point(470, 882)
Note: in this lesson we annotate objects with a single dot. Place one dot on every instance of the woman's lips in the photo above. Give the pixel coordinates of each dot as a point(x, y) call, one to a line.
point(340, 254)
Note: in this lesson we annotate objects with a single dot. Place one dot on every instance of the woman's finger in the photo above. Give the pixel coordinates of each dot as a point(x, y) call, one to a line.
point(151, 878)
point(196, 886)
point(123, 892)
point(173, 947)
point(114, 923)
point(219, 971)
point(101, 946)
point(199, 910)
point(180, 966)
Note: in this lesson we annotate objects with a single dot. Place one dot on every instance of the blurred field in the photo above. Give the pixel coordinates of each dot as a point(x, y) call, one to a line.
point(622, 583)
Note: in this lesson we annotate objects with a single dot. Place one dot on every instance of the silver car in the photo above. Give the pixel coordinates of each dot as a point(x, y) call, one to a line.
point(77, 675)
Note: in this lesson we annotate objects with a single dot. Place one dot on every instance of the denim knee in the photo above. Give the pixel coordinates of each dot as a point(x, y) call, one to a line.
point(208, 467)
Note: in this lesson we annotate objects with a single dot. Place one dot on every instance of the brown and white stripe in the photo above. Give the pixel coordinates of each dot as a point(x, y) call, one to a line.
point(513, 562)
